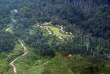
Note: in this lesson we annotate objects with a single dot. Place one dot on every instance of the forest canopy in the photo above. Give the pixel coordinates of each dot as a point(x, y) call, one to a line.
point(7, 41)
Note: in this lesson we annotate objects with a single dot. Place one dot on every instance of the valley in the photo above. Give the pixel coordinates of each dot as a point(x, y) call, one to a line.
point(54, 37)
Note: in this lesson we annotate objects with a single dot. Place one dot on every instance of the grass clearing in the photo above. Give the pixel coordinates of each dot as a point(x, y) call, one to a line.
point(56, 31)
point(61, 65)
point(10, 30)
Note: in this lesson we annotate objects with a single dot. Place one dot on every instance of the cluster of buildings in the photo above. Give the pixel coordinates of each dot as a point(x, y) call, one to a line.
point(47, 23)
point(50, 32)
point(61, 30)
point(45, 29)
point(16, 10)
point(60, 37)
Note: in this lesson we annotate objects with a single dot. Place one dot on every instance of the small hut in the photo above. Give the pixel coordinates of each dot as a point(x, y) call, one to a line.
point(68, 56)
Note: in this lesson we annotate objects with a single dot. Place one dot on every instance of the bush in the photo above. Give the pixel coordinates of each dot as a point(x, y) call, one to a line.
point(48, 52)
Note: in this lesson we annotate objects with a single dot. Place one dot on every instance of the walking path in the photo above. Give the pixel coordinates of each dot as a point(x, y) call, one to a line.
point(25, 52)
point(8, 28)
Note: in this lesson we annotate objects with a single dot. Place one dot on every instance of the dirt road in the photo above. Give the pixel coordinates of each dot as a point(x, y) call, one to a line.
point(25, 52)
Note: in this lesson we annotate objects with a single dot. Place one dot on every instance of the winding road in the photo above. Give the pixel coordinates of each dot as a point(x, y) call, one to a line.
point(25, 52)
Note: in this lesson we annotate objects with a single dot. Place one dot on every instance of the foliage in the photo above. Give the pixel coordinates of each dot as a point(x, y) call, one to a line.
point(42, 42)
point(7, 41)
point(88, 20)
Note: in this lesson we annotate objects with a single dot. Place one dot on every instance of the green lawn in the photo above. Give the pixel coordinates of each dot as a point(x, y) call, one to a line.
point(56, 31)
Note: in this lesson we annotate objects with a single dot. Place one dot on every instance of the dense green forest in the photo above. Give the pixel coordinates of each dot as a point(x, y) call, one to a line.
point(92, 21)
point(7, 41)
point(88, 20)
